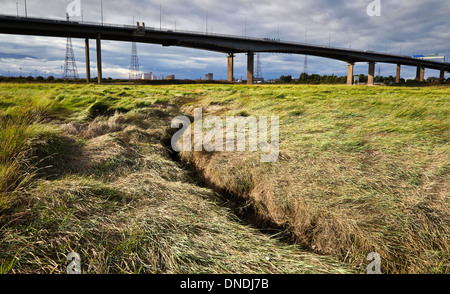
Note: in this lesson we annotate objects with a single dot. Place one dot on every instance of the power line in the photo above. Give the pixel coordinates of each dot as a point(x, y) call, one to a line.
point(101, 8)
point(245, 27)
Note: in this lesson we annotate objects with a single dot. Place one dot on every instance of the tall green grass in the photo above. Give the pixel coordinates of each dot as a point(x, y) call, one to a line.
point(23, 109)
point(14, 135)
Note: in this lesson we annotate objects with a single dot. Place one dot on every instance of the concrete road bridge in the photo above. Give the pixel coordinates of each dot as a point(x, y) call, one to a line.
point(227, 44)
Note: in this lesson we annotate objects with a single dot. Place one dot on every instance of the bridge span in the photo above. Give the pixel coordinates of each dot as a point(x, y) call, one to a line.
point(226, 44)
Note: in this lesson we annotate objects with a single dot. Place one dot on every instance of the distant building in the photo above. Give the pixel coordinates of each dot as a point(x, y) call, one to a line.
point(148, 76)
point(209, 77)
point(172, 77)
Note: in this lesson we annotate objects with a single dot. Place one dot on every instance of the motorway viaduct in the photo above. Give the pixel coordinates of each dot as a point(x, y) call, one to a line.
point(227, 44)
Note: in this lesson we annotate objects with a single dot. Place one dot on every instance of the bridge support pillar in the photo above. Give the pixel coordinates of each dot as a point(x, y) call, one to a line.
point(250, 67)
point(397, 76)
point(99, 59)
point(442, 76)
point(371, 75)
point(230, 67)
point(88, 61)
point(350, 66)
point(420, 73)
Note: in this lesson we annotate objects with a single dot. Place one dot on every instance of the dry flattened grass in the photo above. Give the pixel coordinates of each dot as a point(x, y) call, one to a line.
point(126, 207)
point(98, 127)
point(191, 233)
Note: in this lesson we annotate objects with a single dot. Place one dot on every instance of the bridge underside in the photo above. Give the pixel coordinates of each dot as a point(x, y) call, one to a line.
point(220, 43)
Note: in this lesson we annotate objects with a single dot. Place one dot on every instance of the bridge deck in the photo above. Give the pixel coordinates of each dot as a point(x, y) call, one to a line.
point(212, 42)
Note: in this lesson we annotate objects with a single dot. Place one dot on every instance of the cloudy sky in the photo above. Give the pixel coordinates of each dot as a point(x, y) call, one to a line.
point(406, 27)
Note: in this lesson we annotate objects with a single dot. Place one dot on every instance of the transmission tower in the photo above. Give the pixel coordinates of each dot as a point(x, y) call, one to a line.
point(305, 65)
point(258, 77)
point(134, 65)
point(70, 66)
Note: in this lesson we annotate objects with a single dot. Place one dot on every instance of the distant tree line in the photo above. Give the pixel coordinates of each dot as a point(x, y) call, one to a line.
point(333, 79)
point(52, 79)
point(314, 79)
point(319, 79)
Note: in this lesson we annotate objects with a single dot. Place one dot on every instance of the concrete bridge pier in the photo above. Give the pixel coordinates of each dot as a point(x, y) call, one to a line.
point(420, 73)
point(441, 76)
point(88, 61)
point(350, 66)
point(99, 59)
point(230, 67)
point(250, 67)
point(371, 75)
point(397, 76)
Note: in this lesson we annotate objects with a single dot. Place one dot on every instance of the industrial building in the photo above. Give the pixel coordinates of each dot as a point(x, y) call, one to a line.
point(149, 76)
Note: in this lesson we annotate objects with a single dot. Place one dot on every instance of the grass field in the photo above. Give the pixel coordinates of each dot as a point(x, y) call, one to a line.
point(86, 168)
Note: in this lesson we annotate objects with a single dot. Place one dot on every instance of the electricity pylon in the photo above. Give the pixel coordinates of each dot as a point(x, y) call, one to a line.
point(70, 66)
point(258, 76)
point(134, 65)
